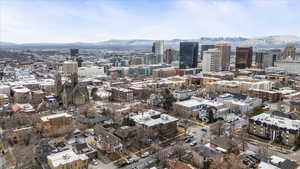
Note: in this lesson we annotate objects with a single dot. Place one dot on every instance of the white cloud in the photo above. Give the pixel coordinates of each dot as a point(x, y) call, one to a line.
point(67, 21)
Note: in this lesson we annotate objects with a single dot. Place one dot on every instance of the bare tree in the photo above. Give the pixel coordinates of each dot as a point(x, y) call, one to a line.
point(243, 137)
point(228, 161)
point(218, 128)
point(197, 160)
point(24, 157)
point(179, 150)
point(162, 157)
point(141, 137)
point(263, 152)
point(155, 147)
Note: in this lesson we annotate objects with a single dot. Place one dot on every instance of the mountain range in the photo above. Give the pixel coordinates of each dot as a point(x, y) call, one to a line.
point(278, 41)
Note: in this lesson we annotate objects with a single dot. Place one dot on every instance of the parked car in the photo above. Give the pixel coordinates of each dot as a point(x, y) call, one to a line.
point(204, 130)
point(252, 142)
point(193, 143)
point(122, 165)
point(94, 162)
point(189, 136)
point(187, 140)
point(146, 154)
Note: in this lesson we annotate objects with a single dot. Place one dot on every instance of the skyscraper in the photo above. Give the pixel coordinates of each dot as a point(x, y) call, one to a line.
point(74, 53)
point(205, 48)
point(243, 57)
point(289, 51)
point(158, 50)
point(225, 52)
point(188, 57)
point(211, 60)
point(263, 59)
point(276, 54)
point(170, 56)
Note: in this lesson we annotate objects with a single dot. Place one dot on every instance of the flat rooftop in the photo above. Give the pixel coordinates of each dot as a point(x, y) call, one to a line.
point(279, 121)
point(151, 118)
point(65, 157)
point(53, 116)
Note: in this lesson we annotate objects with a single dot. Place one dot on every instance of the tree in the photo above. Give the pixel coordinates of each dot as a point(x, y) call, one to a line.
point(257, 110)
point(297, 143)
point(218, 128)
point(263, 152)
point(168, 99)
point(210, 115)
point(197, 160)
point(228, 161)
point(94, 93)
point(128, 122)
point(141, 137)
point(278, 139)
point(243, 137)
point(179, 150)
point(24, 157)
point(162, 157)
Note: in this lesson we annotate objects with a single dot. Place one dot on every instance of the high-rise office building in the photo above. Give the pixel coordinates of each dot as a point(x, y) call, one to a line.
point(211, 60)
point(205, 48)
point(276, 54)
point(243, 57)
point(74, 53)
point(188, 55)
point(263, 59)
point(225, 52)
point(289, 52)
point(158, 49)
point(170, 56)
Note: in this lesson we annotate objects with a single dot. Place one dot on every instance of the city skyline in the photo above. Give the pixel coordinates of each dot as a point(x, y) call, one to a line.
point(93, 21)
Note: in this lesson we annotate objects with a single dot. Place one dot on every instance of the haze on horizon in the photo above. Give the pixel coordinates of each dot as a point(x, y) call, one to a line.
point(64, 21)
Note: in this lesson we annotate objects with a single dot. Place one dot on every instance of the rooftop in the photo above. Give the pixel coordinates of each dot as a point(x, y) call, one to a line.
point(279, 121)
point(53, 116)
point(152, 118)
point(65, 157)
point(189, 103)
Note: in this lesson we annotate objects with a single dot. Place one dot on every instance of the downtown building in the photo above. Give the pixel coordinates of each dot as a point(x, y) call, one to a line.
point(243, 57)
point(205, 48)
point(225, 52)
point(158, 50)
point(263, 59)
point(289, 52)
point(212, 60)
point(170, 56)
point(188, 57)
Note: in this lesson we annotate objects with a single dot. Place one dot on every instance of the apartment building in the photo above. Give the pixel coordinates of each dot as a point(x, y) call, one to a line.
point(54, 122)
point(67, 159)
point(273, 126)
point(265, 95)
point(238, 87)
point(156, 123)
point(121, 94)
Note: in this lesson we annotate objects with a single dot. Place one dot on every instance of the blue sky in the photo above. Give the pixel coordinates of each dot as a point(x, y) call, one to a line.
point(28, 21)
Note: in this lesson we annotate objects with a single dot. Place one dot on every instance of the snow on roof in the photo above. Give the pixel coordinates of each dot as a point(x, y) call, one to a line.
point(53, 116)
point(276, 160)
point(264, 165)
point(279, 121)
point(152, 118)
point(21, 89)
point(65, 157)
point(189, 103)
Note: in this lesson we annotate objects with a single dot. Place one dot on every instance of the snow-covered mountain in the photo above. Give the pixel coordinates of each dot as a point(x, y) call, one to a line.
point(278, 41)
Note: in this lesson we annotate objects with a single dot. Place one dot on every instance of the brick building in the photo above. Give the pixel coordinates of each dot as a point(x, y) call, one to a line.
point(54, 122)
